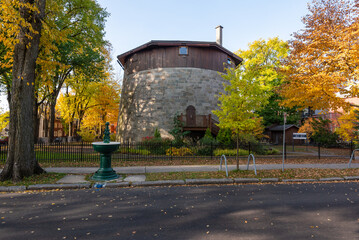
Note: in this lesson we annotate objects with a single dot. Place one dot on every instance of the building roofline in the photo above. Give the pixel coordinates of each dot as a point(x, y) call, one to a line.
point(168, 43)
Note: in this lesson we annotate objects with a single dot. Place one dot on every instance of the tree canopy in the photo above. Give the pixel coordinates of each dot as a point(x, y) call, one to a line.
point(322, 66)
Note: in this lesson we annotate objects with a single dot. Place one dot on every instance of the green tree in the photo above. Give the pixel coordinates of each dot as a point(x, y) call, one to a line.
point(244, 94)
point(250, 87)
point(177, 131)
point(322, 133)
point(224, 137)
point(272, 113)
point(265, 58)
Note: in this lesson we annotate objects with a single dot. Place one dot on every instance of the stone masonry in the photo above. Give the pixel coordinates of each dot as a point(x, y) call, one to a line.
point(150, 99)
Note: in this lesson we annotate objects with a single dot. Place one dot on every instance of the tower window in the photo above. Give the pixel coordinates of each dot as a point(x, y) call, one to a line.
point(229, 61)
point(183, 50)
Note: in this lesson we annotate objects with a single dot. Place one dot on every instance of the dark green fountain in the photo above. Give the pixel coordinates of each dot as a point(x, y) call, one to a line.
point(105, 148)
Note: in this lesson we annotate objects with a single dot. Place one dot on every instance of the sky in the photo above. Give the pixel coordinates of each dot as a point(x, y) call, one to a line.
point(134, 22)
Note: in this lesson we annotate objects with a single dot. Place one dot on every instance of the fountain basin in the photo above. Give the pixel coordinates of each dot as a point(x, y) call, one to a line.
point(105, 172)
point(105, 148)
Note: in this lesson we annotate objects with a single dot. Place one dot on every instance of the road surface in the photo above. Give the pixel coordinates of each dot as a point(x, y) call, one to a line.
point(259, 211)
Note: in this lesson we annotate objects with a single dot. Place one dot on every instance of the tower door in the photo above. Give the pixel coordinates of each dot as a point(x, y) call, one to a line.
point(191, 116)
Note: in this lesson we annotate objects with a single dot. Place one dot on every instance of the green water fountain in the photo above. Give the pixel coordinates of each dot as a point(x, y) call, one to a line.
point(105, 148)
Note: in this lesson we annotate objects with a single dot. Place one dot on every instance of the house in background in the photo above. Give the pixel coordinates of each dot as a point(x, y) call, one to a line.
point(163, 79)
point(59, 131)
point(275, 134)
point(334, 116)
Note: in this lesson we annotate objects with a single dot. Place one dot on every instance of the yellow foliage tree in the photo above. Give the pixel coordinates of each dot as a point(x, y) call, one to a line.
point(307, 128)
point(324, 57)
point(346, 129)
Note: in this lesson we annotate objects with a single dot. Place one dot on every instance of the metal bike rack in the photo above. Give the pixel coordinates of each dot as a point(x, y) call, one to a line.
point(254, 163)
point(351, 157)
point(225, 163)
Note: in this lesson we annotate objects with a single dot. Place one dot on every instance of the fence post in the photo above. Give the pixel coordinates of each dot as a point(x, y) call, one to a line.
point(211, 150)
point(128, 150)
point(318, 150)
point(82, 149)
point(293, 144)
point(171, 151)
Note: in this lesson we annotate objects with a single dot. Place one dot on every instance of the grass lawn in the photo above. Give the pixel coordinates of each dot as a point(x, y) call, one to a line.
point(188, 161)
point(45, 178)
point(301, 173)
point(52, 178)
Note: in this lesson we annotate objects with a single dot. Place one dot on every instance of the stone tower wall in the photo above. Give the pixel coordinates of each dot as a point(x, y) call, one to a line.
point(151, 98)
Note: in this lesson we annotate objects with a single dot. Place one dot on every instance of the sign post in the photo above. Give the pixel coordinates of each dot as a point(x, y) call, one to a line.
point(285, 120)
point(300, 136)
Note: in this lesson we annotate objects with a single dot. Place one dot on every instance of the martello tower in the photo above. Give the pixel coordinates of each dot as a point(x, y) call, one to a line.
point(165, 78)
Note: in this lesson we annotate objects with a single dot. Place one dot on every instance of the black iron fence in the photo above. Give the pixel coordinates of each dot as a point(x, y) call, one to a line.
point(82, 153)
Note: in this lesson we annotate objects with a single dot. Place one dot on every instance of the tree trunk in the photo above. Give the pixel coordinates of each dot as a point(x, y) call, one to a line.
point(21, 161)
point(52, 117)
point(36, 121)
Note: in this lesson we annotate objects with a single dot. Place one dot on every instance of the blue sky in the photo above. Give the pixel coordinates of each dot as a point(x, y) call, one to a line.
point(135, 22)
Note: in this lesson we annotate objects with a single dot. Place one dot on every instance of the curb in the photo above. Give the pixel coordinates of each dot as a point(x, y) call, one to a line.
point(209, 181)
point(187, 182)
point(59, 186)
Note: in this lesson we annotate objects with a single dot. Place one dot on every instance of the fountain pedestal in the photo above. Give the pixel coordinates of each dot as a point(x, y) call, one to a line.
point(105, 148)
point(105, 172)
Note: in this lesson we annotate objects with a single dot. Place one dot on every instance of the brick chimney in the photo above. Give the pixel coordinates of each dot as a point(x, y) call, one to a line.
point(219, 35)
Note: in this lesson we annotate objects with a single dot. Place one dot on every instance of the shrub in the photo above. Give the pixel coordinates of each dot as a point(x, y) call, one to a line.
point(155, 146)
point(230, 152)
point(134, 151)
point(183, 151)
point(206, 144)
point(224, 137)
point(272, 151)
point(87, 135)
point(157, 134)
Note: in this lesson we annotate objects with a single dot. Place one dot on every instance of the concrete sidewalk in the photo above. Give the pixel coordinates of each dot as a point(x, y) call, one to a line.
point(195, 168)
point(75, 178)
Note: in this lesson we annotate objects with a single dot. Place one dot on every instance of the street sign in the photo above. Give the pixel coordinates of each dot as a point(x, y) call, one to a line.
point(299, 136)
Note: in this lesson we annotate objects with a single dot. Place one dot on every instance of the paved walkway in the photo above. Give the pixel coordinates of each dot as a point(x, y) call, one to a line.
point(74, 179)
point(194, 168)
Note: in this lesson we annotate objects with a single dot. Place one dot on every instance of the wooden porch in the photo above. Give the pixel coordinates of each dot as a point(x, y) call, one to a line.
point(199, 123)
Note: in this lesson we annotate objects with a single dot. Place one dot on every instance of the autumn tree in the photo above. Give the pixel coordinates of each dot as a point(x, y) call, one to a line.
point(307, 127)
point(91, 102)
point(322, 66)
point(266, 58)
point(104, 107)
point(4, 120)
point(80, 23)
point(21, 30)
point(5, 71)
point(243, 95)
point(347, 123)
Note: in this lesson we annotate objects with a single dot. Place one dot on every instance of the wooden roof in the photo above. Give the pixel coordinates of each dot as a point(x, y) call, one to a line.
point(156, 43)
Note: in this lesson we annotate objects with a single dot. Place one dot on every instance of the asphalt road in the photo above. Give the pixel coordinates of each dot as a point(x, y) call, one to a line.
point(266, 211)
